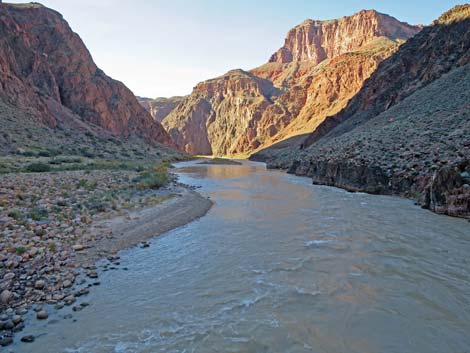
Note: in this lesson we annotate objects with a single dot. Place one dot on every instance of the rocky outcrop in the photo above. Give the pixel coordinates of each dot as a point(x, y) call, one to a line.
point(220, 116)
point(242, 112)
point(407, 131)
point(43, 62)
point(434, 51)
point(316, 41)
point(159, 108)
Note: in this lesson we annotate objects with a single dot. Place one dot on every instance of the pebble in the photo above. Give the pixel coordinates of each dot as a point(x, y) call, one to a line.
point(6, 296)
point(6, 341)
point(8, 325)
point(9, 276)
point(78, 247)
point(77, 308)
point(69, 300)
point(39, 284)
point(18, 327)
point(16, 319)
point(42, 315)
point(92, 274)
point(27, 339)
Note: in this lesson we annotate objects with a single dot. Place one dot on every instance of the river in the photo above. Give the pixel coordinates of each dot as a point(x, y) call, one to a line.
point(279, 265)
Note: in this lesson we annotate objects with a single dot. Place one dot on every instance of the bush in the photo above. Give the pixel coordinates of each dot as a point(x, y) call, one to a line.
point(38, 214)
point(38, 168)
point(15, 214)
point(64, 160)
point(48, 153)
point(154, 178)
point(20, 250)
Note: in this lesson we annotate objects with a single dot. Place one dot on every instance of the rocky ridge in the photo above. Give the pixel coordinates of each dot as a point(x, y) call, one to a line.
point(241, 112)
point(409, 136)
point(159, 108)
point(48, 74)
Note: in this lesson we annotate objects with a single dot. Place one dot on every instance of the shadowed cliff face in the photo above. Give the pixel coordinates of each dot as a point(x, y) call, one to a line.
point(242, 112)
point(159, 108)
point(44, 65)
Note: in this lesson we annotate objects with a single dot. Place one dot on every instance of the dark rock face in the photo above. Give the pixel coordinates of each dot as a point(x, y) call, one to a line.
point(448, 191)
point(46, 69)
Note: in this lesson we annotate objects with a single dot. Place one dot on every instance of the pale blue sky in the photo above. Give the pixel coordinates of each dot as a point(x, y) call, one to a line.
point(164, 48)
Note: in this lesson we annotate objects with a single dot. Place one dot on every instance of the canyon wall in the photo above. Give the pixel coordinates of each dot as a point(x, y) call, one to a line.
point(326, 65)
point(46, 71)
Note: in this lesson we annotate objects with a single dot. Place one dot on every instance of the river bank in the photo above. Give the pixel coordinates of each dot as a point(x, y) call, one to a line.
point(277, 265)
point(56, 226)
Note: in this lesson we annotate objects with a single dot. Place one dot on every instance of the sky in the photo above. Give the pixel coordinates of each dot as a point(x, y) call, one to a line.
point(162, 48)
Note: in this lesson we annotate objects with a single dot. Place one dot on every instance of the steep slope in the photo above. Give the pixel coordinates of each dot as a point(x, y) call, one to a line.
point(47, 72)
point(434, 51)
point(408, 129)
point(320, 67)
point(159, 108)
point(315, 41)
point(204, 122)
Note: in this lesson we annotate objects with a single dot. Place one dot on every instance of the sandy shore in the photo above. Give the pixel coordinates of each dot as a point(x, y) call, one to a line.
point(139, 225)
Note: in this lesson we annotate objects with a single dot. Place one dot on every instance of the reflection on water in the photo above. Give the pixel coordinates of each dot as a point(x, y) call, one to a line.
point(279, 265)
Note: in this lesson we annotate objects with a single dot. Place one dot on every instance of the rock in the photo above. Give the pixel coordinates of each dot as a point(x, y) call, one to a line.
point(92, 274)
point(16, 319)
point(78, 247)
point(67, 284)
point(6, 296)
point(21, 311)
point(42, 315)
point(8, 325)
point(9, 276)
point(19, 327)
point(6, 341)
point(27, 339)
point(39, 284)
point(69, 300)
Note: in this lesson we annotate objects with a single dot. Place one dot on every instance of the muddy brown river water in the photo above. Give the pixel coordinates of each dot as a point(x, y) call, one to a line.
point(279, 265)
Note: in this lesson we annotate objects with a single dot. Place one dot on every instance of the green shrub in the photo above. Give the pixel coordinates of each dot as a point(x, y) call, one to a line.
point(38, 214)
point(48, 153)
point(38, 167)
point(154, 178)
point(15, 214)
point(86, 152)
point(20, 250)
point(28, 153)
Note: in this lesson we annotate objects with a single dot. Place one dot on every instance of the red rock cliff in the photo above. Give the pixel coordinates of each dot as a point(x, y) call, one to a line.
point(315, 41)
point(42, 59)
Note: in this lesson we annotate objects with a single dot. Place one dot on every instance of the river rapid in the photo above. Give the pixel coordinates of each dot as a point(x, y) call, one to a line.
point(279, 265)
